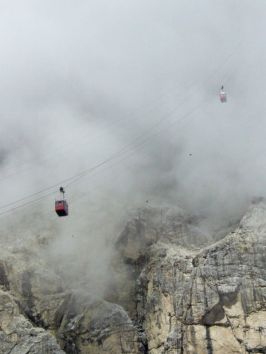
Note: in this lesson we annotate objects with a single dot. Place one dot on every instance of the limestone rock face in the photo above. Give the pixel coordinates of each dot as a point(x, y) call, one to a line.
point(98, 328)
point(38, 290)
point(174, 290)
point(18, 335)
point(211, 300)
point(30, 295)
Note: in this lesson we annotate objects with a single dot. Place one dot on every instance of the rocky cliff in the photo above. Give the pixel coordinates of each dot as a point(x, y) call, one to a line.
point(174, 290)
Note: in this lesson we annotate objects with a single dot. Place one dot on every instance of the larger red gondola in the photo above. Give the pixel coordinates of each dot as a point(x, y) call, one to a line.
point(61, 206)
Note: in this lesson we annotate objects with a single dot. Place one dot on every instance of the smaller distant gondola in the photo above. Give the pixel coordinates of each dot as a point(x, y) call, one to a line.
point(222, 95)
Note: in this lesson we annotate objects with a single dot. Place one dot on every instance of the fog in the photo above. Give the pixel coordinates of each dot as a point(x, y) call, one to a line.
point(132, 85)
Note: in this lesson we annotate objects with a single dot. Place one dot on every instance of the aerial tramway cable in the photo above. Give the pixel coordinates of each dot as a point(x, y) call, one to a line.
point(73, 179)
point(129, 149)
point(131, 114)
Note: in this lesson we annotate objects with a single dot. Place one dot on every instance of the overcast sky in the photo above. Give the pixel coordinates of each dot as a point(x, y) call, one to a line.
point(83, 81)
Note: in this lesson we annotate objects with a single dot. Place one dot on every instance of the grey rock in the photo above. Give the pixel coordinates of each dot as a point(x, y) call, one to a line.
point(175, 290)
point(18, 335)
point(209, 300)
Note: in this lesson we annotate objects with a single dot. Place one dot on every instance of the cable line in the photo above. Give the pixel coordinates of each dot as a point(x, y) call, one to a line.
point(137, 143)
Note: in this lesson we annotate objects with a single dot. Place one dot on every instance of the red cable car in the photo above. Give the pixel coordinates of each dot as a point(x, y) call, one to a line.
point(222, 95)
point(61, 206)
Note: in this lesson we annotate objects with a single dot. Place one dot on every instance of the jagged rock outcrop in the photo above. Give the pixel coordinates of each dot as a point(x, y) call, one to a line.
point(204, 301)
point(99, 327)
point(34, 303)
point(29, 298)
point(169, 294)
point(18, 335)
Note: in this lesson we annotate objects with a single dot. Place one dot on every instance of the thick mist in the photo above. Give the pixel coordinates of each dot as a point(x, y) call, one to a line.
point(138, 82)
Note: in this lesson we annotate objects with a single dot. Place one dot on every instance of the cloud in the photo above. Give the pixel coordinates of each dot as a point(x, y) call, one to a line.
point(81, 82)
